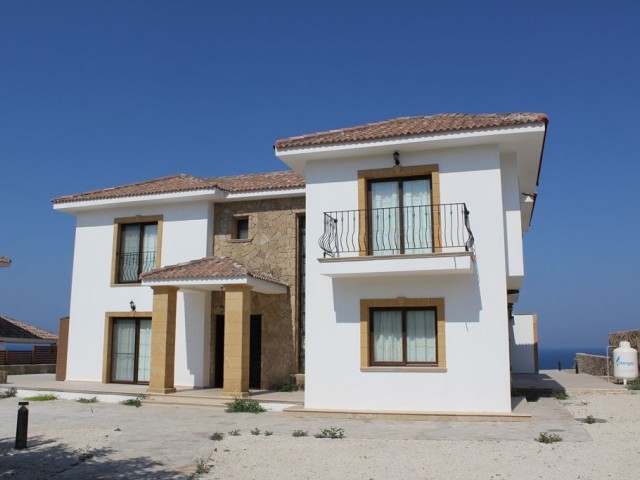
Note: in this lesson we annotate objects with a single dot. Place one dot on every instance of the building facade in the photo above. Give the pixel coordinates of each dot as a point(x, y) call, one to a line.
point(400, 301)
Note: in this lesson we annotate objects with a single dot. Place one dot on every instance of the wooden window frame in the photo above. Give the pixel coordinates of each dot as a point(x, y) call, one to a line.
point(117, 239)
point(403, 311)
point(365, 177)
point(235, 231)
point(107, 351)
point(367, 306)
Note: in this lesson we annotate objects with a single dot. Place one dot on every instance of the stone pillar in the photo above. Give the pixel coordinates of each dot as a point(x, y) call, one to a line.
point(237, 307)
point(63, 345)
point(163, 340)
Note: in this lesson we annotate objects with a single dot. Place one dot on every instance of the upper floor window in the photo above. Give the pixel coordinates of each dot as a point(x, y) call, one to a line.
point(137, 250)
point(241, 228)
point(400, 216)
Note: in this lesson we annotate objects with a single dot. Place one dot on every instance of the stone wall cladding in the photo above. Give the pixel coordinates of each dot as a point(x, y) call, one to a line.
point(271, 247)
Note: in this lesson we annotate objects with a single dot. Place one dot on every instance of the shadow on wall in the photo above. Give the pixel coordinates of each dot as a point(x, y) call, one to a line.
point(347, 293)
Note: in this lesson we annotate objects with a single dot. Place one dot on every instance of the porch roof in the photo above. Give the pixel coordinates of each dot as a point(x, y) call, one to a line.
point(14, 331)
point(213, 273)
point(4, 261)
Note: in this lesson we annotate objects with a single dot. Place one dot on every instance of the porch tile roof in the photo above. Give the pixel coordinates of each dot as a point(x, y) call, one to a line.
point(214, 268)
point(11, 328)
point(187, 183)
point(409, 126)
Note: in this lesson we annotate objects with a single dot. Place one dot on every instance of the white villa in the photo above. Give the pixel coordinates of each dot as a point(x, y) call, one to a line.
point(400, 300)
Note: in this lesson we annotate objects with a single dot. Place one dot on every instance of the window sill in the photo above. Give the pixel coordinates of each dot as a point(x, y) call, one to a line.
point(405, 369)
point(239, 240)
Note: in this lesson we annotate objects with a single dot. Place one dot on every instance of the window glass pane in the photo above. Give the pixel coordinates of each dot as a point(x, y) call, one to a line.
point(129, 253)
point(124, 350)
point(144, 351)
point(416, 199)
point(242, 228)
point(149, 247)
point(387, 336)
point(421, 336)
point(385, 232)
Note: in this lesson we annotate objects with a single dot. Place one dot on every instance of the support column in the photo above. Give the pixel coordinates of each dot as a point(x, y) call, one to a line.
point(237, 307)
point(163, 340)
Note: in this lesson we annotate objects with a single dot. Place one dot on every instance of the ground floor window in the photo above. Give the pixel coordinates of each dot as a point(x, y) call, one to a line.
point(131, 350)
point(403, 336)
point(402, 332)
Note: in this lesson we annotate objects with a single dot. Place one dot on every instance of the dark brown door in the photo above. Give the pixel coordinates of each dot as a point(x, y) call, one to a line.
point(219, 353)
point(255, 352)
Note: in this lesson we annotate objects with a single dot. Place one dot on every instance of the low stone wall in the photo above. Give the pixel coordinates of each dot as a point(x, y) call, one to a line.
point(28, 369)
point(592, 364)
point(632, 336)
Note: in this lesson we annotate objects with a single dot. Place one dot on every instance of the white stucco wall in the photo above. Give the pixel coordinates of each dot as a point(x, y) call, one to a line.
point(187, 230)
point(511, 199)
point(523, 343)
point(477, 353)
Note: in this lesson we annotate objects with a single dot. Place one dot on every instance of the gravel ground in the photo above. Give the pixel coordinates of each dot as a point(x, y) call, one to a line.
point(68, 440)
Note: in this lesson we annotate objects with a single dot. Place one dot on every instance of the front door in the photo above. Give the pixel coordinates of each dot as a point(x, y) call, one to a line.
point(255, 352)
point(131, 350)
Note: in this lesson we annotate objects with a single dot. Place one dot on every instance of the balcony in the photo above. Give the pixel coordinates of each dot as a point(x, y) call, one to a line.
point(131, 265)
point(397, 241)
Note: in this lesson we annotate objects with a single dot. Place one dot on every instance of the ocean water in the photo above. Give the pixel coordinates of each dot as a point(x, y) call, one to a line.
point(548, 358)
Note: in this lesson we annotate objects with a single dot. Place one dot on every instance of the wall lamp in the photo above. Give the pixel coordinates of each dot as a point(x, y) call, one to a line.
point(132, 305)
point(529, 197)
point(396, 158)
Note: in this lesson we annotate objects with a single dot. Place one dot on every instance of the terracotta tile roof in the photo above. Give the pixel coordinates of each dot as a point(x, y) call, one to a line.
point(4, 260)
point(10, 328)
point(409, 126)
point(189, 183)
point(208, 268)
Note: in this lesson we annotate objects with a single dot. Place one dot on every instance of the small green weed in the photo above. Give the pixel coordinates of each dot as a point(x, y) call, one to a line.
point(202, 467)
point(133, 402)
point(43, 397)
point(546, 437)
point(560, 395)
point(216, 436)
point(256, 431)
point(268, 433)
point(590, 419)
point(244, 405)
point(234, 433)
point(635, 385)
point(300, 433)
point(331, 432)
point(9, 392)
point(87, 400)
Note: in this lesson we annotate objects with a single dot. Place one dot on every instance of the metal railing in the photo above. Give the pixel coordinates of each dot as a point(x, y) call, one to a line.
point(397, 230)
point(131, 265)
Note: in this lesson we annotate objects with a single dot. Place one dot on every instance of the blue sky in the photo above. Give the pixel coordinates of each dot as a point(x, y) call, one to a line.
point(101, 93)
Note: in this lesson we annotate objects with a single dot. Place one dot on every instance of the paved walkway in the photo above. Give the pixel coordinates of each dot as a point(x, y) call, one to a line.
point(564, 380)
point(164, 440)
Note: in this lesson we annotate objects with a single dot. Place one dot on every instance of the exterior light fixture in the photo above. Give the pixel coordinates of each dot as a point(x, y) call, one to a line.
point(529, 197)
point(132, 305)
point(396, 158)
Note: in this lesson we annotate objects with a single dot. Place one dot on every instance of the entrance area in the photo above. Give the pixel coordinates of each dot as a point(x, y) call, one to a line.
point(255, 352)
point(131, 350)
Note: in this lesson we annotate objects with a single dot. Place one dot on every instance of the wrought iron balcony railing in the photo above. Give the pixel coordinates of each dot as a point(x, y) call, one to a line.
point(397, 231)
point(131, 265)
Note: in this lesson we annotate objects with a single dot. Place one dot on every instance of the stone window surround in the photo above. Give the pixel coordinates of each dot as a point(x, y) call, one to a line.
point(117, 222)
point(365, 336)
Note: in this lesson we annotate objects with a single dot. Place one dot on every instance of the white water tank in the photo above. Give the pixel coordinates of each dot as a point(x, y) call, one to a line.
point(625, 362)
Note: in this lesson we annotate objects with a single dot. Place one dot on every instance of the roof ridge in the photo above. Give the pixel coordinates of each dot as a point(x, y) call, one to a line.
point(134, 184)
point(431, 124)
